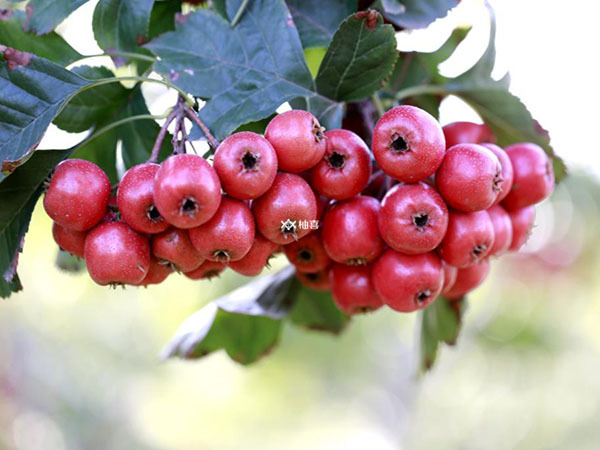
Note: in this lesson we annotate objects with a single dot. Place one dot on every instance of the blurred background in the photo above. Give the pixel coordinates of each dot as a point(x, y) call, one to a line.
point(80, 367)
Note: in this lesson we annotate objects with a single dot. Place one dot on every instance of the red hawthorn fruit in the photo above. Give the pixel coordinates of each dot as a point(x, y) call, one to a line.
point(345, 168)
point(507, 171)
point(469, 178)
point(175, 246)
point(317, 281)
point(187, 191)
point(228, 236)
point(69, 240)
point(257, 258)
point(468, 240)
point(352, 289)
point(350, 233)
point(77, 195)
point(407, 283)
point(246, 164)
point(290, 198)
point(450, 274)
point(157, 273)
point(533, 176)
point(135, 199)
point(503, 230)
point(413, 218)
point(115, 254)
point(468, 279)
point(308, 254)
point(467, 133)
point(298, 139)
point(206, 270)
point(522, 223)
point(408, 143)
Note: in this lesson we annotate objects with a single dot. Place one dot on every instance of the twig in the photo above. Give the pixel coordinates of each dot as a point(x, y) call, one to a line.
point(191, 114)
point(239, 13)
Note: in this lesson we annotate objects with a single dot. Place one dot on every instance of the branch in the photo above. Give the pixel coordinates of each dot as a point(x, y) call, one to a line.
point(161, 137)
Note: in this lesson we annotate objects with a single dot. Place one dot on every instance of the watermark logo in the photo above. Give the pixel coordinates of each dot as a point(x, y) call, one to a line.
point(290, 226)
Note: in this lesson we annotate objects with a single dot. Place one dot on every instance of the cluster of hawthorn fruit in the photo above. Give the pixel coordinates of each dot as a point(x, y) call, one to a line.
point(420, 221)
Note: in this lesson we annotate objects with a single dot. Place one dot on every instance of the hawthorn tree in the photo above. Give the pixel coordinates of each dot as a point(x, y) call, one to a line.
point(233, 64)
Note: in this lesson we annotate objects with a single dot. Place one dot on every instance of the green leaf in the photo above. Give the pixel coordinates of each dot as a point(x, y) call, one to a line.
point(414, 14)
point(440, 322)
point(19, 194)
point(68, 262)
point(51, 46)
point(45, 15)
point(245, 323)
point(162, 18)
point(93, 105)
point(122, 25)
point(246, 72)
point(361, 55)
point(33, 92)
point(317, 20)
point(316, 310)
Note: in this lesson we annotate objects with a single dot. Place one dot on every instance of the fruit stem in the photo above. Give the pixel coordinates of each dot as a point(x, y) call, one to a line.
point(413, 91)
point(161, 137)
point(238, 14)
point(114, 53)
point(191, 114)
point(377, 103)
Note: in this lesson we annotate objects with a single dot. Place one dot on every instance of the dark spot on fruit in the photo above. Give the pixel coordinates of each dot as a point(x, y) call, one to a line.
point(357, 262)
point(497, 182)
point(423, 296)
point(221, 255)
point(478, 250)
point(305, 255)
point(312, 276)
point(399, 144)
point(250, 161)
point(420, 220)
point(153, 214)
point(336, 160)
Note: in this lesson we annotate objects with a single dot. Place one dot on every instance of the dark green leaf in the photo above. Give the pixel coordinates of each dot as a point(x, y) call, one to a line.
point(361, 55)
point(414, 14)
point(19, 194)
point(245, 323)
point(328, 112)
point(440, 322)
point(93, 105)
point(122, 25)
point(46, 15)
point(317, 20)
point(51, 46)
point(162, 18)
point(33, 92)
point(316, 310)
point(246, 72)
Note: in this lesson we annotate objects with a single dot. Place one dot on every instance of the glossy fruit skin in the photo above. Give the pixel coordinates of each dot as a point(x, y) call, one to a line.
point(187, 191)
point(257, 258)
point(78, 194)
point(413, 218)
point(246, 164)
point(507, 171)
point(157, 273)
point(467, 133)
point(522, 220)
point(419, 139)
point(352, 289)
point(308, 254)
point(298, 140)
point(469, 239)
point(450, 274)
point(206, 270)
point(345, 168)
point(317, 281)
point(533, 176)
point(468, 279)
point(503, 230)
point(69, 240)
point(291, 198)
point(407, 283)
point(350, 234)
point(135, 199)
point(229, 235)
point(175, 246)
point(115, 254)
point(469, 177)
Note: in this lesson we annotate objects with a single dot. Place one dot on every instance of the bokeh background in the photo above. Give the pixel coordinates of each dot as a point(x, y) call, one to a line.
point(80, 367)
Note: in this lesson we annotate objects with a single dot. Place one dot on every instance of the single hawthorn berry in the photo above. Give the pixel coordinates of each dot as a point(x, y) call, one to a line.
point(503, 230)
point(469, 239)
point(522, 223)
point(308, 254)
point(174, 246)
point(353, 290)
point(467, 133)
point(257, 258)
point(69, 240)
point(468, 279)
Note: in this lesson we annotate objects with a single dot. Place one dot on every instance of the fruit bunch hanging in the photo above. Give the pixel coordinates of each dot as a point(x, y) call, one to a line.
point(418, 215)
